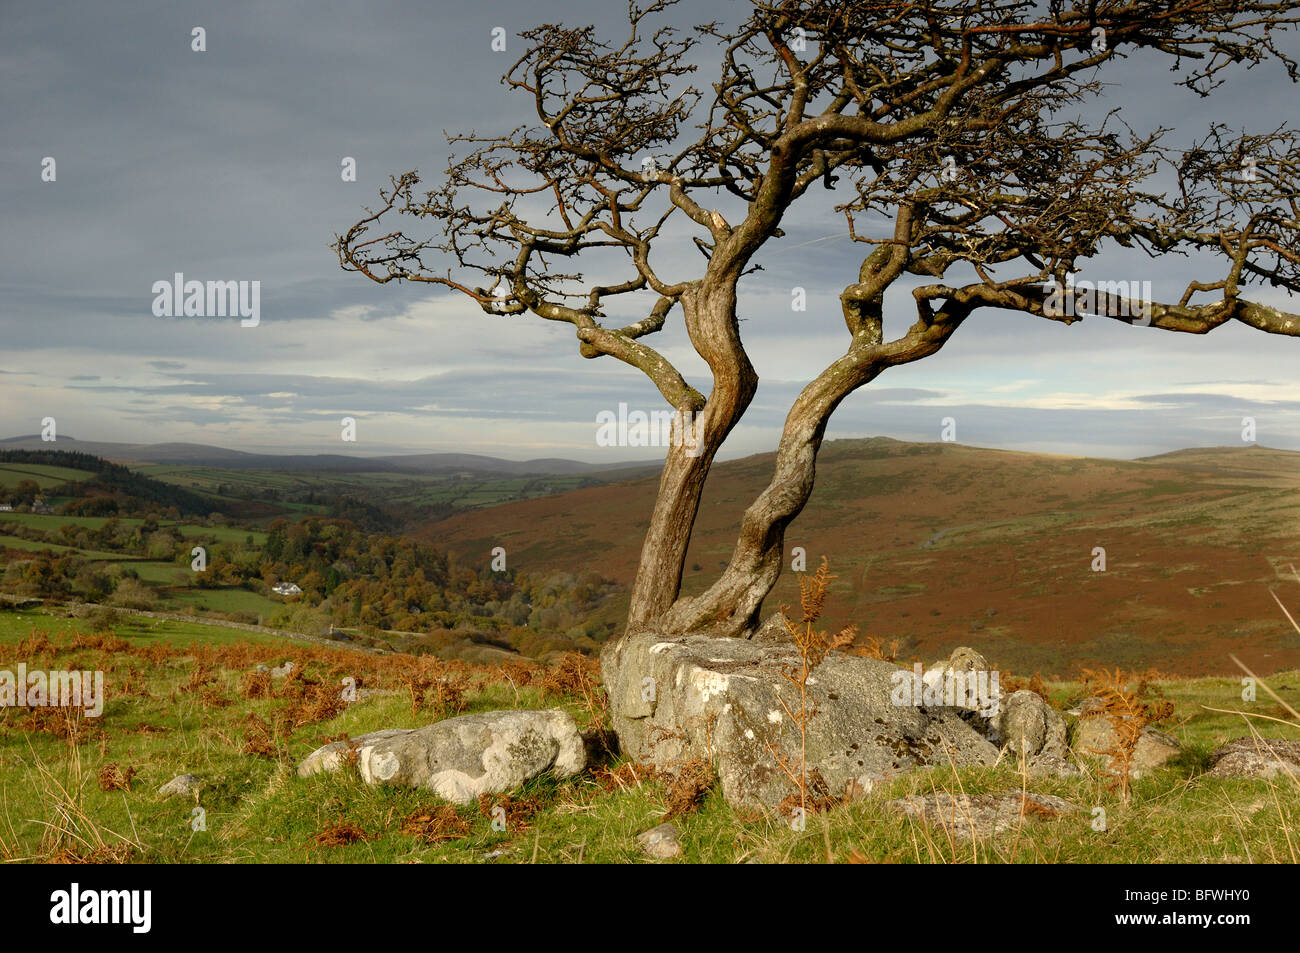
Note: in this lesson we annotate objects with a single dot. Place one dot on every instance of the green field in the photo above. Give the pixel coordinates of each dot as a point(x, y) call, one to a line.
point(27, 545)
point(222, 534)
point(15, 625)
point(50, 521)
point(468, 491)
point(46, 477)
point(162, 573)
point(224, 600)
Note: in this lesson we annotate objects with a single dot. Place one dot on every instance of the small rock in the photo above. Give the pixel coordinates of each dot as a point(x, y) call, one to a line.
point(183, 785)
point(460, 758)
point(965, 659)
point(661, 842)
point(981, 815)
point(952, 675)
point(1256, 758)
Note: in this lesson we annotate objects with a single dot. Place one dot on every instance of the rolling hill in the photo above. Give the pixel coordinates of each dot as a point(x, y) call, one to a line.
point(197, 454)
point(939, 545)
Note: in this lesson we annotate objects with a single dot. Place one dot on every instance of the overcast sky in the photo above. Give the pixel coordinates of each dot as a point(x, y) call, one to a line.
point(225, 165)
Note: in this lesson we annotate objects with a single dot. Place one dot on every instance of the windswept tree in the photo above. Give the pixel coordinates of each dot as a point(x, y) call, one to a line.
point(961, 124)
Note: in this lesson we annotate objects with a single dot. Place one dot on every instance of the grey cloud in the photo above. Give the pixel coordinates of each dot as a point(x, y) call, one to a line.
point(225, 165)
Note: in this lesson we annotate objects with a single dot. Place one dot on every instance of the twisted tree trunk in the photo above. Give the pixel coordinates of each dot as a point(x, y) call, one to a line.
point(710, 313)
point(731, 607)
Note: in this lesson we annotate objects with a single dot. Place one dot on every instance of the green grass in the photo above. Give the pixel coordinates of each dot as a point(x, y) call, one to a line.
point(27, 545)
point(222, 534)
point(48, 522)
point(258, 811)
point(161, 573)
point(14, 626)
point(46, 477)
point(416, 489)
point(225, 600)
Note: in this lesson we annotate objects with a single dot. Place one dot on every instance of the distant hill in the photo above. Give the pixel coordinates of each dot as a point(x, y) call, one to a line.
point(940, 545)
point(197, 454)
point(100, 482)
point(1249, 459)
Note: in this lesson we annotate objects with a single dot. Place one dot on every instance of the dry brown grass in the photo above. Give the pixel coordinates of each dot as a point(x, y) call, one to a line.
point(518, 810)
point(437, 824)
point(436, 685)
point(340, 834)
point(1010, 683)
point(259, 738)
point(112, 777)
point(687, 786)
point(577, 675)
point(623, 777)
point(256, 685)
point(872, 647)
point(115, 854)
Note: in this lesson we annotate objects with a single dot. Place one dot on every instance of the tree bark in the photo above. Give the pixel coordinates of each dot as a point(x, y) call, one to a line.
point(710, 313)
point(731, 607)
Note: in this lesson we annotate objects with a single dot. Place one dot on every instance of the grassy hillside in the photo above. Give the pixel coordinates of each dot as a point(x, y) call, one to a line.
point(439, 490)
point(46, 477)
point(938, 545)
point(188, 699)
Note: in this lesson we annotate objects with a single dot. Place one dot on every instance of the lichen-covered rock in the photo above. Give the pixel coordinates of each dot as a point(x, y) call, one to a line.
point(1093, 733)
point(460, 758)
point(183, 785)
point(981, 815)
point(1026, 725)
point(1052, 766)
point(673, 699)
point(1256, 758)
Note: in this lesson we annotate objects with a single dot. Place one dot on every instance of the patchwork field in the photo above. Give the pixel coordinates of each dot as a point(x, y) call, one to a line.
point(170, 582)
point(397, 489)
point(11, 474)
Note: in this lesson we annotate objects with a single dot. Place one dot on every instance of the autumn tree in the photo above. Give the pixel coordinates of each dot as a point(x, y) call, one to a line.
point(964, 124)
